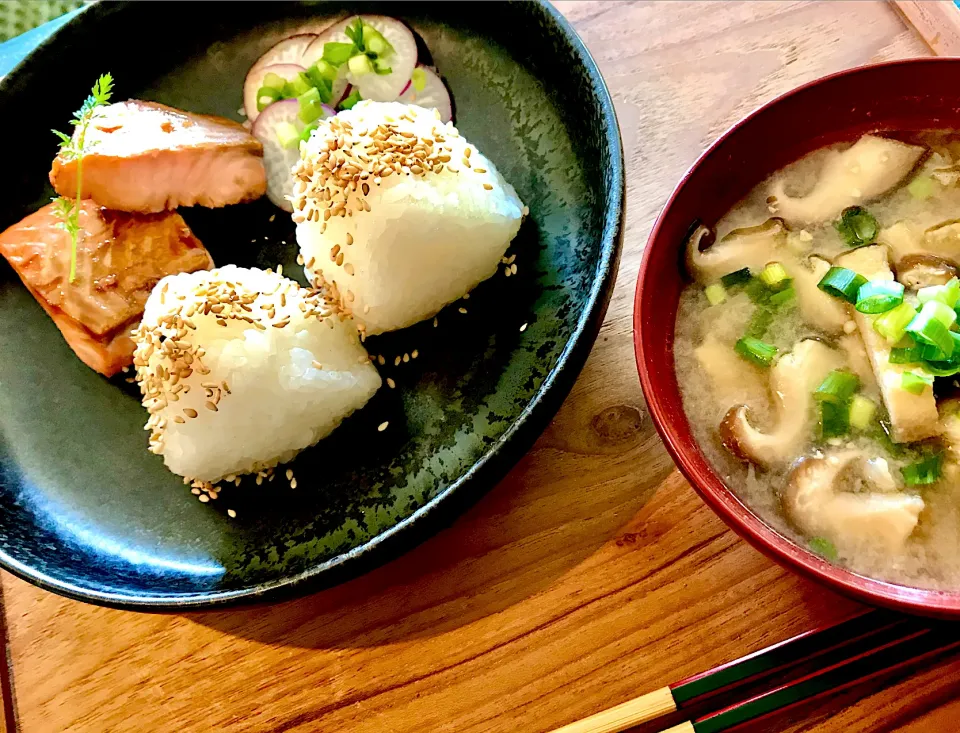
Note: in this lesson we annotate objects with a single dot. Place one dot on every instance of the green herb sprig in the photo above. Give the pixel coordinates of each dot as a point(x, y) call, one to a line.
point(74, 147)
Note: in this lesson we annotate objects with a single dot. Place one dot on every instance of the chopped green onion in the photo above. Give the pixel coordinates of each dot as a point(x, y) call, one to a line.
point(759, 322)
point(419, 81)
point(892, 325)
point(757, 290)
point(879, 296)
point(942, 368)
point(324, 86)
point(380, 66)
point(375, 43)
point(906, 355)
point(837, 387)
point(773, 274)
point(307, 131)
point(857, 226)
point(933, 332)
point(921, 187)
point(274, 81)
point(337, 54)
point(297, 86)
point(325, 92)
point(943, 313)
point(360, 65)
point(948, 294)
point(378, 45)
point(716, 294)
point(834, 420)
point(938, 363)
point(932, 326)
point(311, 108)
point(784, 296)
point(288, 135)
point(842, 283)
point(354, 31)
point(350, 101)
point(924, 471)
point(915, 383)
point(862, 411)
point(322, 70)
point(737, 277)
point(755, 350)
point(824, 547)
point(267, 96)
point(917, 353)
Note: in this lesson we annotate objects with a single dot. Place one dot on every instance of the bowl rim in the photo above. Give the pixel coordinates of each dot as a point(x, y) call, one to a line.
point(701, 476)
point(489, 469)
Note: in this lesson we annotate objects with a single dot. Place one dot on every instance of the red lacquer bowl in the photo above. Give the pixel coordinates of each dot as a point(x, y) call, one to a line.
point(913, 94)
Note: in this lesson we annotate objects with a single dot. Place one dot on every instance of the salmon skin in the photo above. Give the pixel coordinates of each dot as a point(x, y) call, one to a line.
point(147, 157)
point(120, 257)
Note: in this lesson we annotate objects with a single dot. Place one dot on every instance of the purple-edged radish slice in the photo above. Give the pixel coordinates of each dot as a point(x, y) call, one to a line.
point(254, 81)
point(432, 94)
point(288, 51)
point(277, 159)
point(402, 60)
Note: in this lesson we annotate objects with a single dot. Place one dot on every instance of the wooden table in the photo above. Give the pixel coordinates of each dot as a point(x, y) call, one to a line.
point(591, 574)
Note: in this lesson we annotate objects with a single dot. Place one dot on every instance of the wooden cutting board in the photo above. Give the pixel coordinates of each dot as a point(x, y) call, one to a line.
point(591, 574)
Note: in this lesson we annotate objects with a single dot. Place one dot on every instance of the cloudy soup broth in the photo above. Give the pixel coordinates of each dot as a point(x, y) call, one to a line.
point(818, 353)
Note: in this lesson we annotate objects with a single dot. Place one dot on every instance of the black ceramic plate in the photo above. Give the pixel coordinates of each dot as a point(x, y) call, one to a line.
point(87, 512)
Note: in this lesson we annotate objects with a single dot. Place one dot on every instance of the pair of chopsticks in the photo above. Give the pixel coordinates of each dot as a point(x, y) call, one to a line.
point(782, 676)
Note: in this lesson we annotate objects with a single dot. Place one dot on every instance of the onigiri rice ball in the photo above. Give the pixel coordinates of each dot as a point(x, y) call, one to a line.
point(241, 369)
point(397, 214)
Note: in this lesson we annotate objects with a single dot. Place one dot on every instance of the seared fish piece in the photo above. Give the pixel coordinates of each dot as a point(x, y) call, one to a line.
point(147, 157)
point(120, 257)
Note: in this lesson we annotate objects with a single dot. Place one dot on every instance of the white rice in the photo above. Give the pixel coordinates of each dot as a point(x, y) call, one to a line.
point(421, 236)
point(276, 389)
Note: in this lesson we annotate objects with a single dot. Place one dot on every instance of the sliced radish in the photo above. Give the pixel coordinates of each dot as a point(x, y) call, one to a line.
point(385, 88)
point(254, 81)
point(288, 51)
point(277, 159)
point(433, 95)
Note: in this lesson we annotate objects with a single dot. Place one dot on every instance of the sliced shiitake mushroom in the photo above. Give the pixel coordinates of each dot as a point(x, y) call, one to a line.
point(792, 382)
point(751, 247)
point(814, 501)
point(869, 168)
point(921, 270)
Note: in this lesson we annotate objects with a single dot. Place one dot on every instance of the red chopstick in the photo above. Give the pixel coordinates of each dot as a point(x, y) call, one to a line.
point(805, 666)
point(911, 649)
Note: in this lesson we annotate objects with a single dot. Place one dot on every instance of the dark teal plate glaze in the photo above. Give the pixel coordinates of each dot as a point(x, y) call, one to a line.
point(87, 512)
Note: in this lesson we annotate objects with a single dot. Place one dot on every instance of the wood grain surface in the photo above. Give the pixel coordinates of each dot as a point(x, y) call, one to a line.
point(593, 573)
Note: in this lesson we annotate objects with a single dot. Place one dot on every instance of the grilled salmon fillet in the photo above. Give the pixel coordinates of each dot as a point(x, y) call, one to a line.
point(120, 257)
point(147, 157)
